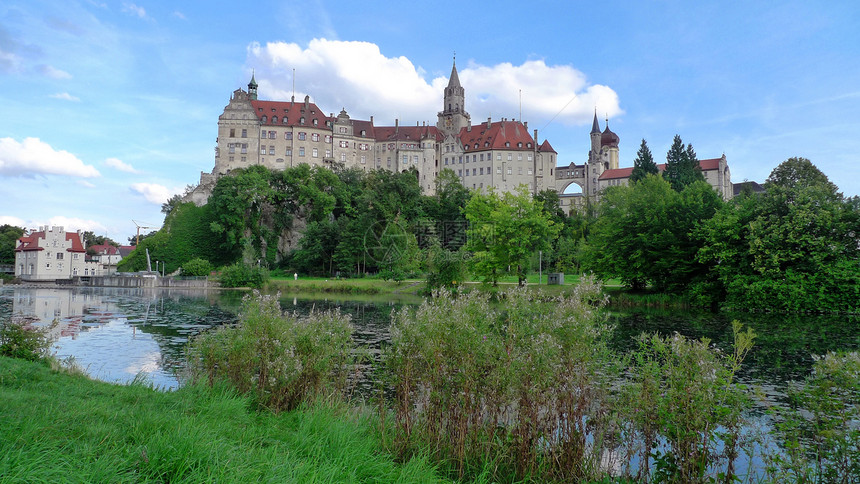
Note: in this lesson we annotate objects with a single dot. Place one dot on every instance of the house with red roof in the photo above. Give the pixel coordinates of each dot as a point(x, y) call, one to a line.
point(106, 256)
point(50, 254)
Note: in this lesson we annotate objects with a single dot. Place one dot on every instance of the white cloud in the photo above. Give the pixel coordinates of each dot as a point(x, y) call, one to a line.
point(70, 224)
point(53, 72)
point(10, 220)
point(120, 165)
point(35, 157)
point(360, 78)
point(87, 184)
point(134, 10)
point(154, 193)
point(179, 15)
point(65, 97)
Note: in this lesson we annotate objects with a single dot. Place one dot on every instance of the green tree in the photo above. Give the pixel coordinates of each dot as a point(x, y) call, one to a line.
point(792, 248)
point(9, 235)
point(644, 234)
point(682, 166)
point(644, 164)
point(197, 267)
point(505, 231)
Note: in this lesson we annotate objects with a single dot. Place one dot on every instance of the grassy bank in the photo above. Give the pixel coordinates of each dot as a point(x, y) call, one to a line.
point(57, 427)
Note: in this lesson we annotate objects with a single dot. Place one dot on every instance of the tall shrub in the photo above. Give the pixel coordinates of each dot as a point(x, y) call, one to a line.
point(282, 359)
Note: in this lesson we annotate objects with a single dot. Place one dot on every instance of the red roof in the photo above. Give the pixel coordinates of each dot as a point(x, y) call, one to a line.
point(500, 135)
point(406, 133)
point(704, 165)
point(104, 249)
point(75, 239)
point(31, 242)
point(275, 111)
point(546, 147)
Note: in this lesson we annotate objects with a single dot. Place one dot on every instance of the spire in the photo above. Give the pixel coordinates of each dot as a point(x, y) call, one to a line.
point(252, 87)
point(454, 80)
point(595, 126)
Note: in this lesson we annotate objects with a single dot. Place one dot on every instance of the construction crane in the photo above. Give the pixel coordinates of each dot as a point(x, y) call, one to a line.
point(139, 226)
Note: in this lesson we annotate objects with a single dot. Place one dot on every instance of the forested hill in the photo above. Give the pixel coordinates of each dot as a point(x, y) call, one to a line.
point(310, 219)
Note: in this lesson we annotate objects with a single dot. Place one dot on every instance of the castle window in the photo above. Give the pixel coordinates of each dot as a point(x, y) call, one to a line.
point(288, 135)
point(316, 121)
point(530, 171)
point(499, 156)
point(328, 138)
point(262, 149)
point(279, 160)
point(481, 171)
point(244, 133)
point(274, 119)
point(244, 150)
point(231, 148)
point(328, 153)
point(289, 152)
point(232, 132)
point(286, 120)
point(520, 144)
point(519, 157)
point(315, 137)
point(498, 170)
point(272, 149)
point(263, 134)
point(264, 118)
point(530, 157)
point(302, 120)
point(363, 159)
point(302, 151)
point(302, 136)
point(509, 157)
point(509, 171)
point(343, 157)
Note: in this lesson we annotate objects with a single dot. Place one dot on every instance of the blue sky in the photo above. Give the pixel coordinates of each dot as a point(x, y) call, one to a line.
point(107, 108)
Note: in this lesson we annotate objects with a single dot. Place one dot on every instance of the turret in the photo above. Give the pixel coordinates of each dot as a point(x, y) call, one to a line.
point(252, 88)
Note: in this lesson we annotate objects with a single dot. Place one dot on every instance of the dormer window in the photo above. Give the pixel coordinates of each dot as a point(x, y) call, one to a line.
point(316, 121)
point(520, 144)
point(302, 120)
point(274, 119)
point(285, 119)
point(507, 144)
point(264, 118)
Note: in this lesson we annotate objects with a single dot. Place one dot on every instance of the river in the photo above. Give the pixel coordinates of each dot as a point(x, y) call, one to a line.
point(117, 334)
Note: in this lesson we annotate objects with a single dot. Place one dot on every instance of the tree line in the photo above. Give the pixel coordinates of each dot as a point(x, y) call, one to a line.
point(793, 247)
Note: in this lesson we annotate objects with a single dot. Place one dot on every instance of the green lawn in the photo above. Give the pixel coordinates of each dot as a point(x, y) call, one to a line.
point(56, 427)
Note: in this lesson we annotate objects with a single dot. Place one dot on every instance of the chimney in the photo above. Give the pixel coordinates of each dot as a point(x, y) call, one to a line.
point(526, 125)
point(488, 121)
point(371, 120)
point(307, 101)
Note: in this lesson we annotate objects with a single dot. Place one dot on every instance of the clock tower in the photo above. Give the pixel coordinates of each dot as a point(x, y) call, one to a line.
point(453, 116)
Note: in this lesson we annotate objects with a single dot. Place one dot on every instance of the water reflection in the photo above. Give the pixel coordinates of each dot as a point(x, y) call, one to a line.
point(114, 334)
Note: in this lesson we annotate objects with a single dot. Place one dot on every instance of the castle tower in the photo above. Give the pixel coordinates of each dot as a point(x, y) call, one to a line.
point(453, 116)
point(595, 137)
point(252, 88)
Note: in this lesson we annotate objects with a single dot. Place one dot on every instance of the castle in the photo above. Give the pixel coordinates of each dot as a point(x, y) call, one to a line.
point(501, 154)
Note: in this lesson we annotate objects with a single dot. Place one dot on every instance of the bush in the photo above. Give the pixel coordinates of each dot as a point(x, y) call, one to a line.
point(282, 359)
point(522, 384)
point(18, 341)
point(197, 267)
point(241, 275)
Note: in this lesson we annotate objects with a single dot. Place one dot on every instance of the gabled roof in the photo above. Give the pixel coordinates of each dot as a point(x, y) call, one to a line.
point(125, 250)
point(75, 239)
point(499, 135)
point(104, 249)
point(293, 111)
point(710, 164)
point(546, 147)
point(30, 242)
